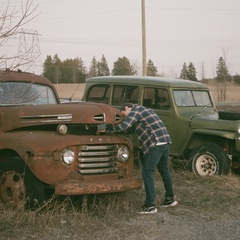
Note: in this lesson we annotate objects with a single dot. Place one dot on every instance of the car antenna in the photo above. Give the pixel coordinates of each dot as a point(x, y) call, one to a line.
point(70, 99)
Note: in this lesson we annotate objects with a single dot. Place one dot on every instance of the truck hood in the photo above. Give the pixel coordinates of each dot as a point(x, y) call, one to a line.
point(15, 117)
point(213, 122)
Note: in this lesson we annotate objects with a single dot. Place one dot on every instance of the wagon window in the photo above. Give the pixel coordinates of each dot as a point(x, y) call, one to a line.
point(99, 93)
point(187, 98)
point(156, 98)
point(122, 94)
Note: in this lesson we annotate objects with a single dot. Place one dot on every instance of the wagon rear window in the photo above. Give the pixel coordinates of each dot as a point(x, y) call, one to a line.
point(187, 98)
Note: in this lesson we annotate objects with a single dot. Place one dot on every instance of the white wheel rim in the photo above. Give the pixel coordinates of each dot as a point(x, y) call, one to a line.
point(206, 165)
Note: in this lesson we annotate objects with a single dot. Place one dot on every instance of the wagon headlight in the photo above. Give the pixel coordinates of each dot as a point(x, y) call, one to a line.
point(68, 156)
point(239, 130)
point(123, 154)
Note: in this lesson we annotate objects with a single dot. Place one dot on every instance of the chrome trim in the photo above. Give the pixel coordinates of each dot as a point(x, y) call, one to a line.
point(45, 118)
point(97, 165)
point(94, 171)
point(98, 147)
point(101, 159)
point(100, 117)
point(96, 154)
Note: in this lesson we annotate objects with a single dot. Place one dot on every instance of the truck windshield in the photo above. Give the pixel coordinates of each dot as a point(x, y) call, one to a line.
point(15, 93)
point(187, 98)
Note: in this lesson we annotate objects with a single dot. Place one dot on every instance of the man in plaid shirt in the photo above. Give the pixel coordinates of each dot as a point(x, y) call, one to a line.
point(155, 143)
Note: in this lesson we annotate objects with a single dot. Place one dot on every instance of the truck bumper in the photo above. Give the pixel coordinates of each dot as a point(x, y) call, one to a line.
point(76, 187)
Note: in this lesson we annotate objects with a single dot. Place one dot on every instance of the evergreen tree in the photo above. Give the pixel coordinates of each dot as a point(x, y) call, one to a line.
point(48, 68)
point(123, 67)
point(81, 70)
point(151, 68)
point(67, 71)
point(93, 70)
point(103, 69)
point(188, 72)
point(222, 71)
point(57, 69)
point(73, 71)
point(222, 78)
point(52, 68)
point(184, 72)
point(191, 72)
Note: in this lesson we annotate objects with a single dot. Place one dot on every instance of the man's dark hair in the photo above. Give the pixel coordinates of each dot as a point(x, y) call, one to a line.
point(122, 108)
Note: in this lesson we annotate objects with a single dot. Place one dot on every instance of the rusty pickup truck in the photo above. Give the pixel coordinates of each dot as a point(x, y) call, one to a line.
point(45, 144)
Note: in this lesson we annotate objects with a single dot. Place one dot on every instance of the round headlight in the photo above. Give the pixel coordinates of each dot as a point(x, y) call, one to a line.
point(239, 130)
point(68, 156)
point(123, 154)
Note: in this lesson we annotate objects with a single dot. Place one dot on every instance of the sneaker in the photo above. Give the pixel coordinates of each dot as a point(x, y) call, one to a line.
point(147, 210)
point(169, 202)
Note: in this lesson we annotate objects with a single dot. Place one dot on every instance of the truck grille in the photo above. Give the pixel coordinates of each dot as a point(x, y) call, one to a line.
point(97, 159)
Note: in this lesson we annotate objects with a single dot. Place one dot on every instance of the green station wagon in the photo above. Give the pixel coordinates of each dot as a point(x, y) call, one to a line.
point(207, 140)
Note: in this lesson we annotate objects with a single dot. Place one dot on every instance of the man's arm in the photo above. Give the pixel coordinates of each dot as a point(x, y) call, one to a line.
point(128, 122)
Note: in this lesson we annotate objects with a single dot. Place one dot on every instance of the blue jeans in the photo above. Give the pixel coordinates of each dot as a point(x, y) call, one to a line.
point(156, 158)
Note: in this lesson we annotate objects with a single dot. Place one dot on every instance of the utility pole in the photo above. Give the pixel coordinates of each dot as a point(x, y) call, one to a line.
point(144, 62)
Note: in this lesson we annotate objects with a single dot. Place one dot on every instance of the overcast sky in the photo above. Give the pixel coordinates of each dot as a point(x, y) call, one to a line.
point(177, 31)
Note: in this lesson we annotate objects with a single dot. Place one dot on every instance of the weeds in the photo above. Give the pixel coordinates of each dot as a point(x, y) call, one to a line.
point(80, 217)
point(70, 212)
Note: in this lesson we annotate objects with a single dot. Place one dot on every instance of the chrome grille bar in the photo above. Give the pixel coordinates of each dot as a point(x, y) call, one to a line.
point(96, 171)
point(97, 165)
point(97, 159)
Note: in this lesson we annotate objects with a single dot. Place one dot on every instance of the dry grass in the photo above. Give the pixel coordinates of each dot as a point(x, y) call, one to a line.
point(100, 216)
point(71, 215)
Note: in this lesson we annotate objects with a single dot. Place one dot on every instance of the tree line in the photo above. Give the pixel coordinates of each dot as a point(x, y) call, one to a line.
point(75, 71)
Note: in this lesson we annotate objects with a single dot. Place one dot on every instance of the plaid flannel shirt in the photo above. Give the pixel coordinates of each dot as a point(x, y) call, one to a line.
point(148, 126)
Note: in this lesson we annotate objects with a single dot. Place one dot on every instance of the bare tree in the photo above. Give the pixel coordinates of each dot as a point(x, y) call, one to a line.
point(11, 22)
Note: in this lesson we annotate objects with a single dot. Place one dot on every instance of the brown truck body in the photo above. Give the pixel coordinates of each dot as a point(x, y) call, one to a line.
point(62, 146)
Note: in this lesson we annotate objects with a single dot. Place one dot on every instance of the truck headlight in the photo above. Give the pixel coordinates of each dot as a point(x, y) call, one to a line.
point(123, 154)
point(68, 156)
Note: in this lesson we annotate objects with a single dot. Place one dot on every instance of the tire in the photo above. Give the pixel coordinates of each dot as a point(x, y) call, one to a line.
point(19, 186)
point(208, 160)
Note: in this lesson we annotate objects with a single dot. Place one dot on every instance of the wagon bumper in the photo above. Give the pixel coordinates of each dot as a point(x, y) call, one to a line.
point(75, 187)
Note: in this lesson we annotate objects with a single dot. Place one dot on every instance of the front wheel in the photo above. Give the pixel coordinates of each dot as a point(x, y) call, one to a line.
point(208, 160)
point(19, 185)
